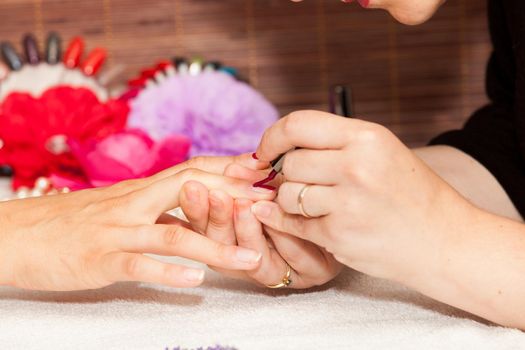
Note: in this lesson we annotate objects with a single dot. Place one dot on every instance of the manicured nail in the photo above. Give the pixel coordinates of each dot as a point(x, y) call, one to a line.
point(31, 49)
point(263, 189)
point(215, 200)
point(73, 53)
point(194, 275)
point(243, 212)
point(254, 156)
point(94, 62)
point(262, 210)
point(192, 194)
point(247, 255)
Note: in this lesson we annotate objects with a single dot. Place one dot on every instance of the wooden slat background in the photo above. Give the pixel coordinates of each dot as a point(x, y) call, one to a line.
point(417, 80)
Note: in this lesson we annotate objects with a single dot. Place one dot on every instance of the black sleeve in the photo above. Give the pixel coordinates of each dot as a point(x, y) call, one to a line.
point(492, 134)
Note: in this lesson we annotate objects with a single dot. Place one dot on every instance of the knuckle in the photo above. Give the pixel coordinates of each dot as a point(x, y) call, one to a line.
point(284, 195)
point(189, 174)
point(197, 162)
point(372, 133)
point(221, 252)
point(131, 266)
point(294, 224)
point(291, 122)
point(289, 163)
point(231, 169)
point(173, 236)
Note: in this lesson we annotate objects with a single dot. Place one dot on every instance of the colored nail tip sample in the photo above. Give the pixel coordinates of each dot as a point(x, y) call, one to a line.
point(94, 62)
point(11, 58)
point(31, 49)
point(74, 52)
point(53, 48)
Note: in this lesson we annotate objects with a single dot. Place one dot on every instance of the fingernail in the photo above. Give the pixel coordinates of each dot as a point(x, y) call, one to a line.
point(254, 156)
point(247, 255)
point(262, 210)
point(215, 200)
point(194, 275)
point(243, 212)
point(193, 195)
point(263, 189)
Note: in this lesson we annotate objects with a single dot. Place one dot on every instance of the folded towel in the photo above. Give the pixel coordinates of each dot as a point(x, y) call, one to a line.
point(352, 312)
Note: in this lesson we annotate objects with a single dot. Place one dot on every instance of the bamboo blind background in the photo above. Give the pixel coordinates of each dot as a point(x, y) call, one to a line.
point(416, 80)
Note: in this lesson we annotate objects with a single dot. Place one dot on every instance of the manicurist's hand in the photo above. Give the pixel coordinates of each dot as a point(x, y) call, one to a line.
point(373, 204)
point(93, 238)
point(230, 221)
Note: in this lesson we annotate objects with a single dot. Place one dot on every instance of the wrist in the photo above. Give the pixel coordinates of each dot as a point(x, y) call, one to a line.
point(443, 233)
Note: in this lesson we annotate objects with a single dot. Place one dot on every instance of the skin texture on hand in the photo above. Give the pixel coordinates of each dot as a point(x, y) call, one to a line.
point(92, 238)
point(378, 208)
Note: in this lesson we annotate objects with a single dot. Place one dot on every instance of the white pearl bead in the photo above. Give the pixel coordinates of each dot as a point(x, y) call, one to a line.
point(22, 192)
point(42, 183)
point(36, 192)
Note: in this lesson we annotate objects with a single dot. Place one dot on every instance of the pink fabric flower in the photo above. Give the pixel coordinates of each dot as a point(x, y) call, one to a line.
point(125, 155)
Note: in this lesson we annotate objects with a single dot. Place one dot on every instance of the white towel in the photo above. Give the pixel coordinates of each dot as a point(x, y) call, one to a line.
point(351, 312)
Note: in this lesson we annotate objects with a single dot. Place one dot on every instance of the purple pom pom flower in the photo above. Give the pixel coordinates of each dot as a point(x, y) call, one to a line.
point(222, 116)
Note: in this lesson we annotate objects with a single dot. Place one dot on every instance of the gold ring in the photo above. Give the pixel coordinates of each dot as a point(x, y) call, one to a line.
point(300, 200)
point(286, 279)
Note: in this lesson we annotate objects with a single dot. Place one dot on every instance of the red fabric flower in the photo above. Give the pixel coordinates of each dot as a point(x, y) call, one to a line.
point(35, 131)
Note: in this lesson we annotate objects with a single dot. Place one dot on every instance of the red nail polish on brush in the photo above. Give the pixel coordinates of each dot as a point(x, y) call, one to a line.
point(94, 62)
point(277, 167)
point(73, 53)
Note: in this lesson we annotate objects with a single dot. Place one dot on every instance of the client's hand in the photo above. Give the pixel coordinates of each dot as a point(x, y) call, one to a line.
point(230, 221)
point(92, 238)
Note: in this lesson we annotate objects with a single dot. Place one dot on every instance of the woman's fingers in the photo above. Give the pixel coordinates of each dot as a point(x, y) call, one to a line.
point(220, 221)
point(119, 267)
point(250, 235)
point(312, 263)
point(215, 165)
point(172, 240)
point(322, 167)
point(194, 203)
point(271, 215)
point(240, 172)
point(316, 200)
point(163, 195)
point(307, 129)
